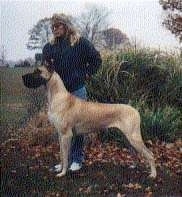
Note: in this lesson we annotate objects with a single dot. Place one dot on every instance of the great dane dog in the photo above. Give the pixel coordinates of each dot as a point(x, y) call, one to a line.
point(66, 112)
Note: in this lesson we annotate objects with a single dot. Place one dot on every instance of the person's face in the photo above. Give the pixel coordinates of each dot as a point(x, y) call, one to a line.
point(58, 30)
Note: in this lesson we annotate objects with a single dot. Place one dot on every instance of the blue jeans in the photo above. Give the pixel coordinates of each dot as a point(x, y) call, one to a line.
point(77, 145)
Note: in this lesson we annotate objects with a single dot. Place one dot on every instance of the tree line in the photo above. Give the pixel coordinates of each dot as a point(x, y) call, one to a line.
point(91, 24)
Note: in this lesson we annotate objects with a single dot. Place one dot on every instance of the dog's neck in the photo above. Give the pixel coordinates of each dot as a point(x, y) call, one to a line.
point(55, 86)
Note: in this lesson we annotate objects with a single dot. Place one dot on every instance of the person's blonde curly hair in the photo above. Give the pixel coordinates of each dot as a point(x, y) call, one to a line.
point(71, 33)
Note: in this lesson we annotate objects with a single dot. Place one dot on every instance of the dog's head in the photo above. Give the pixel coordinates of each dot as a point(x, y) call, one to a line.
point(40, 76)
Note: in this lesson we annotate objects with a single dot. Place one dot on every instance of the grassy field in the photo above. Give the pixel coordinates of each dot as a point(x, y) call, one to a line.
point(13, 98)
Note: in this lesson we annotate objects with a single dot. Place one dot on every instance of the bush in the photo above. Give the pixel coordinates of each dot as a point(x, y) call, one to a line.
point(163, 123)
point(156, 81)
point(151, 81)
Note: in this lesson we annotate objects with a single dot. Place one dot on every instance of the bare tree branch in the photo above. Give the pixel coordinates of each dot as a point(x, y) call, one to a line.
point(173, 21)
point(93, 21)
point(39, 34)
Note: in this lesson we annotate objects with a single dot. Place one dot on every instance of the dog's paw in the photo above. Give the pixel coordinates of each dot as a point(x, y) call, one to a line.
point(153, 175)
point(56, 168)
point(61, 174)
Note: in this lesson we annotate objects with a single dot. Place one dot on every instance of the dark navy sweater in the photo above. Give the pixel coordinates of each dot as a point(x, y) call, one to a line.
point(73, 63)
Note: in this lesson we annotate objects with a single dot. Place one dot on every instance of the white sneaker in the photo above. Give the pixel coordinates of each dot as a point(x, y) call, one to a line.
point(75, 166)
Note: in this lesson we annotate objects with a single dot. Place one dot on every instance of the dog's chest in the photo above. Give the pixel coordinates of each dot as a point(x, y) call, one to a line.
point(54, 119)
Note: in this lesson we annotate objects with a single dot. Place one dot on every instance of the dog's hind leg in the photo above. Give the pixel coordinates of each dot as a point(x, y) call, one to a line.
point(145, 152)
point(65, 145)
point(136, 141)
point(133, 135)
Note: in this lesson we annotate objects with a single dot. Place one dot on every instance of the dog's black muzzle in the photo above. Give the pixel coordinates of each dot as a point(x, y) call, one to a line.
point(33, 80)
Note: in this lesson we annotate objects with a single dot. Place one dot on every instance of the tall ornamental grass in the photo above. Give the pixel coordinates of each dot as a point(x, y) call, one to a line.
point(151, 81)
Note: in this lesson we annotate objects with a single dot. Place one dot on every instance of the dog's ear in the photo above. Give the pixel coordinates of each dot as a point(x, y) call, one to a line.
point(49, 64)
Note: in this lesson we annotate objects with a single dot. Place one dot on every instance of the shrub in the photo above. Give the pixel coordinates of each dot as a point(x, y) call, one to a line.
point(142, 76)
point(151, 81)
point(164, 124)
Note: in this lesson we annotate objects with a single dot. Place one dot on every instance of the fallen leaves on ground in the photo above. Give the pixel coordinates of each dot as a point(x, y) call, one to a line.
point(108, 170)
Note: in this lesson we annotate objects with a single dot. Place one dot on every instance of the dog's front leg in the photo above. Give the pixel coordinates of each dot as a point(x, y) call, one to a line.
point(65, 143)
point(58, 167)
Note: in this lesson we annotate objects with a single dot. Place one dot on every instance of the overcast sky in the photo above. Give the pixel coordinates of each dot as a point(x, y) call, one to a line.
point(140, 19)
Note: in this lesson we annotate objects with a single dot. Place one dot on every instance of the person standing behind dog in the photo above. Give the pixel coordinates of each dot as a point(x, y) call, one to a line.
point(75, 59)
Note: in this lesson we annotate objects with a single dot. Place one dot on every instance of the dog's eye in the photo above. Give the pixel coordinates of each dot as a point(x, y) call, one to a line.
point(37, 71)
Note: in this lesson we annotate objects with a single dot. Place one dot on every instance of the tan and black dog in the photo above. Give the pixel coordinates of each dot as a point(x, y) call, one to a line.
point(66, 112)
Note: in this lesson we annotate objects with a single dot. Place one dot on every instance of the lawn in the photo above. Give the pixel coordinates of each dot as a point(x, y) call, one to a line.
point(15, 101)
point(13, 97)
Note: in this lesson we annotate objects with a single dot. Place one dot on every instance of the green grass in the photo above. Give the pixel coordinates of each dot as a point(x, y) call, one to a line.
point(14, 99)
point(18, 103)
